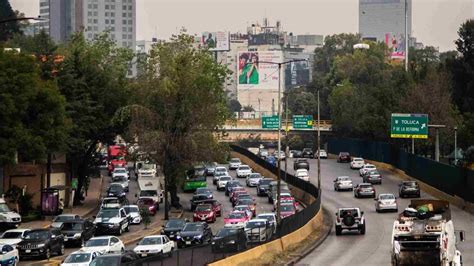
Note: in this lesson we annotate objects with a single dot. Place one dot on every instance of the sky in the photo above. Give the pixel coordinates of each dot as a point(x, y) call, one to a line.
point(435, 22)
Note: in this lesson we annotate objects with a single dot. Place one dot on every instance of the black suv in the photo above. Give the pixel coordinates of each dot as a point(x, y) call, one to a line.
point(262, 186)
point(229, 239)
point(300, 164)
point(194, 234)
point(307, 153)
point(116, 190)
point(128, 258)
point(112, 221)
point(231, 184)
point(409, 188)
point(41, 243)
point(77, 232)
point(173, 227)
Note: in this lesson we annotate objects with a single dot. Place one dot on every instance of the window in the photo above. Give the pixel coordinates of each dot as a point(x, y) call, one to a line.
point(89, 6)
point(89, 35)
point(89, 13)
point(95, 6)
point(95, 21)
point(89, 20)
point(124, 7)
point(129, 7)
point(106, 21)
point(124, 15)
point(130, 29)
point(95, 13)
point(106, 6)
point(106, 14)
point(124, 44)
point(96, 28)
point(124, 36)
point(130, 15)
point(112, 7)
point(89, 28)
point(130, 22)
point(124, 29)
point(124, 22)
point(130, 36)
point(112, 21)
point(112, 14)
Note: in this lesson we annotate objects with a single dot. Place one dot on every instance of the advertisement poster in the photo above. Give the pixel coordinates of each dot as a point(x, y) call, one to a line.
point(297, 74)
point(216, 41)
point(258, 70)
point(396, 43)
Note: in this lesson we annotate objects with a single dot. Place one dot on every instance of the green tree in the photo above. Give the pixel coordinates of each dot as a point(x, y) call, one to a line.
point(7, 29)
point(422, 61)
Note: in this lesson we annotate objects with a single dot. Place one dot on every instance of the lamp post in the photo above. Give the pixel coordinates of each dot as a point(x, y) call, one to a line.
point(455, 145)
point(319, 154)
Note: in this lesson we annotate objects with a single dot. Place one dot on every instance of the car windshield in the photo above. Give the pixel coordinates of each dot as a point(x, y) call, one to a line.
point(245, 201)
point(115, 188)
point(110, 201)
point(370, 166)
point(236, 215)
point(9, 235)
point(235, 160)
point(344, 178)
point(241, 208)
point(410, 184)
point(255, 175)
point(175, 223)
point(255, 224)
point(110, 213)
point(387, 197)
point(203, 191)
point(221, 169)
point(63, 218)
point(343, 153)
point(98, 242)
point(130, 209)
point(358, 160)
point(204, 208)
point(225, 178)
point(307, 149)
point(265, 181)
point(267, 217)
point(78, 258)
point(37, 235)
point(227, 232)
point(365, 186)
point(120, 171)
point(72, 226)
point(244, 168)
point(121, 178)
point(287, 208)
point(352, 212)
point(151, 241)
point(145, 202)
point(106, 261)
point(4, 207)
point(373, 173)
point(148, 193)
point(193, 227)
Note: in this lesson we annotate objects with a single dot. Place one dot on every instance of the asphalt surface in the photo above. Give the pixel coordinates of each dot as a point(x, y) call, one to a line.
point(373, 248)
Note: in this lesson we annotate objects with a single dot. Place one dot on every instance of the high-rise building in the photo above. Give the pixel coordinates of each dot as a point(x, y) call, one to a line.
point(380, 20)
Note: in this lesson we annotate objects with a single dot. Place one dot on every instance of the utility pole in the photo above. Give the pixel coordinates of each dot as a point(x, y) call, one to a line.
point(406, 36)
point(287, 130)
point(455, 145)
point(319, 147)
point(279, 147)
point(437, 127)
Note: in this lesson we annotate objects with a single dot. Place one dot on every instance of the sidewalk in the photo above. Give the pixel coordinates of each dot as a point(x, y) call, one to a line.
point(89, 205)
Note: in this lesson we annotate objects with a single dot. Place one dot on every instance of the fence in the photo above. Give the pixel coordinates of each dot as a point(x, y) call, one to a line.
point(205, 254)
point(455, 181)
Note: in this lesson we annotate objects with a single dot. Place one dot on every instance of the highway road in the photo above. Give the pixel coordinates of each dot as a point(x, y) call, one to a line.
point(373, 248)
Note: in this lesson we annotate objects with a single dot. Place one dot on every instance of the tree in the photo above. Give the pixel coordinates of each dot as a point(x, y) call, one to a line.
point(180, 103)
point(422, 61)
point(234, 105)
point(7, 29)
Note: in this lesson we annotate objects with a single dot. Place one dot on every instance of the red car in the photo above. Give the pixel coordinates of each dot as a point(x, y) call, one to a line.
point(249, 202)
point(236, 195)
point(148, 204)
point(235, 190)
point(204, 213)
point(236, 219)
point(344, 157)
point(287, 209)
point(244, 208)
point(286, 198)
point(216, 206)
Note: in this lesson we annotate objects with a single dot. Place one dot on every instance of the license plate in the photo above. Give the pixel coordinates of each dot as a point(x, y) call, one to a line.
point(28, 251)
point(144, 254)
point(188, 242)
point(65, 239)
point(203, 219)
point(171, 235)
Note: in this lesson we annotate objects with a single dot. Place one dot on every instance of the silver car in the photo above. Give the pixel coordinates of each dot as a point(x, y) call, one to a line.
point(386, 202)
point(343, 183)
point(252, 179)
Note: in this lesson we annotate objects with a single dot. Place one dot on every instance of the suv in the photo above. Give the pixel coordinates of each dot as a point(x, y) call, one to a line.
point(300, 164)
point(41, 243)
point(409, 188)
point(194, 234)
point(243, 171)
point(307, 153)
point(77, 232)
point(364, 190)
point(112, 221)
point(228, 239)
point(234, 163)
point(262, 186)
point(351, 219)
point(344, 157)
point(258, 230)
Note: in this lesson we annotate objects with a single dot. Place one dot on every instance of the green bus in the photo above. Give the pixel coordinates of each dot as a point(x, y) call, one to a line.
point(191, 183)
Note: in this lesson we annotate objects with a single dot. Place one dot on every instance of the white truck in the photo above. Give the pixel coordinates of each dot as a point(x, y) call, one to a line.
point(149, 183)
point(424, 235)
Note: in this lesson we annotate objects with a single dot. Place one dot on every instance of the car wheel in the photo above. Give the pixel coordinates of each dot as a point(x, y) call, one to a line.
point(362, 230)
point(170, 254)
point(47, 254)
point(418, 195)
point(120, 232)
point(338, 230)
point(16, 261)
point(61, 250)
point(127, 229)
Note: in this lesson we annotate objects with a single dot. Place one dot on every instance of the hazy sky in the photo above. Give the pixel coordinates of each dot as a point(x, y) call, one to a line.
point(435, 22)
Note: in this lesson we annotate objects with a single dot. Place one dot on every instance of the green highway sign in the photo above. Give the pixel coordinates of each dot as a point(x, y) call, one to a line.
point(270, 122)
point(409, 126)
point(303, 121)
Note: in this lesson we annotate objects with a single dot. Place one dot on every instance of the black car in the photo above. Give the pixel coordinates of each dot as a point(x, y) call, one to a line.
point(344, 157)
point(197, 199)
point(116, 190)
point(173, 227)
point(77, 232)
point(204, 191)
point(194, 234)
point(409, 188)
point(112, 221)
point(231, 184)
point(262, 186)
point(229, 239)
point(296, 153)
point(301, 164)
point(41, 243)
point(307, 153)
point(128, 258)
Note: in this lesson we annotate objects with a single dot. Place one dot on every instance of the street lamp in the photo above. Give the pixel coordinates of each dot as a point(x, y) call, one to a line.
point(455, 145)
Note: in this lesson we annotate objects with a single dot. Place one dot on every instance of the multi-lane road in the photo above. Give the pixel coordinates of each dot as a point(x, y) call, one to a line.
point(373, 248)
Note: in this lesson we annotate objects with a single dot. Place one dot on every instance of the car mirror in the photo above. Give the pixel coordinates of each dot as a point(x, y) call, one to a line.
point(336, 213)
point(362, 213)
point(375, 199)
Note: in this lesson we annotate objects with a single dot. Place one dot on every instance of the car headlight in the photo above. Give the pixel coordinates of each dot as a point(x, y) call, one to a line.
point(232, 242)
point(40, 245)
point(178, 237)
point(77, 235)
point(198, 237)
point(213, 243)
point(195, 215)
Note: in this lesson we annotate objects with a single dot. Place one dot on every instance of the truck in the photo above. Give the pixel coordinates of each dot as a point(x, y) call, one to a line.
point(116, 157)
point(149, 183)
point(424, 234)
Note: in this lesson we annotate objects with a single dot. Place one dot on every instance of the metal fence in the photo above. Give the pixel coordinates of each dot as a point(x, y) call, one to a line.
point(455, 181)
point(205, 254)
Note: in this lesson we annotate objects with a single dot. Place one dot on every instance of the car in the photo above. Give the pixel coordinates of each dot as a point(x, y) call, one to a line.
point(234, 163)
point(296, 153)
point(263, 153)
point(204, 213)
point(80, 258)
point(301, 164)
point(271, 218)
point(59, 219)
point(172, 227)
point(344, 157)
point(262, 186)
point(351, 219)
point(123, 181)
point(373, 177)
point(127, 258)
point(272, 160)
point(120, 172)
point(235, 190)
point(364, 190)
point(198, 170)
point(343, 183)
point(229, 239)
point(409, 188)
point(216, 206)
point(148, 204)
point(134, 212)
point(77, 232)
point(285, 197)
point(112, 221)
point(155, 194)
point(249, 202)
point(196, 233)
point(258, 230)
point(8, 219)
point(236, 219)
point(252, 179)
point(230, 185)
point(273, 188)
point(41, 243)
point(236, 195)
point(104, 244)
point(287, 209)
point(13, 236)
point(155, 245)
point(243, 171)
point(307, 153)
point(323, 154)
point(210, 168)
point(204, 191)
point(221, 169)
point(197, 199)
point(386, 201)
point(222, 181)
point(302, 174)
point(110, 202)
point(116, 190)
point(244, 208)
point(280, 155)
point(367, 167)
point(218, 175)
point(357, 163)
point(8, 255)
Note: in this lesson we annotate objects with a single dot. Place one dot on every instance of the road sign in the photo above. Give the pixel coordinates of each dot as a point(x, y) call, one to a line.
point(303, 121)
point(269, 122)
point(409, 126)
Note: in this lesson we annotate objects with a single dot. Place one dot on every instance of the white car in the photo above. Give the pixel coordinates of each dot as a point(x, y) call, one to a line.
point(323, 154)
point(123, 181)
point(104, 245)
point(234, 163)
point(243, 170)
point(8, 218)
point(386, 201)
point(110, 202)
point(281, 155)
point(13, 236)
point(367, 167)
point(222, 181)
point(155, 245)
point(357, 163)
point(343, 183)
point(8, 255)
point(252, 179)
point(60, 219)
point(270, 217)
point(120, 172)
point(302, 174)
point(80, 258)
point(134, 212)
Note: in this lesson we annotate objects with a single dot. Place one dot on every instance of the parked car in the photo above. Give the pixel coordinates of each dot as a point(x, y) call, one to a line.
point(287, 209)
point(155, 245)
point(148, 204)
point(112, 221)
point(229, 239)
point(222, 181)
point(373, 177)
point(59, 219)
point(80, 258)
point(10, 219)
point(271, 218)
point(344, 157)
point(194, 234)
point(134, 212)
point(234, 163)
point(386, 201)
point(367, 167)
point(236, 219)
point(210, 168)
point(357, 163)
point(323, 154)
point(243, 171)
point(128, 258)
point(258, 230)
point(262, 186)
point(364, 190)
point(252, 179)
point(409, 188)
point(351, 219)
point(204, 213)
point(13, 236)
point(302, 174)
point(8, 255)
point(197, 199)
point(343, 183)
point(307, 153)
point(204, 191)
point(296, 153)
point(230, 185)
point(41, 243)
point(301, 164)
point(172, 228)
point(77, 232)
point(104, 244)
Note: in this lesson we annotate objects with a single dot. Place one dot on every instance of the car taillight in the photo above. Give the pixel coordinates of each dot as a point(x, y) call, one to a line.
point(338, 219)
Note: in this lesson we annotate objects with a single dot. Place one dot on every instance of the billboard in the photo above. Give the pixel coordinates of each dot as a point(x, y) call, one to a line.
point(297, 73)
point(258, 70)
point(216, 41)
point(396, 43)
